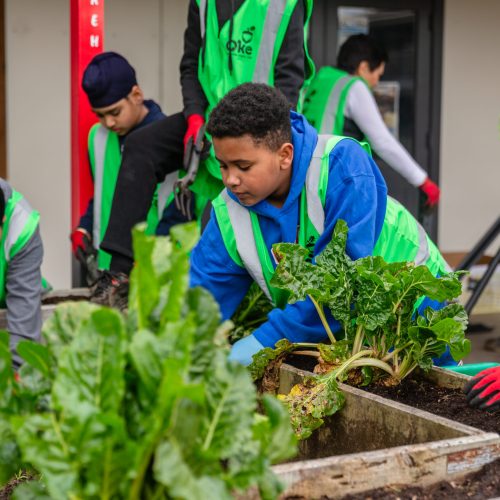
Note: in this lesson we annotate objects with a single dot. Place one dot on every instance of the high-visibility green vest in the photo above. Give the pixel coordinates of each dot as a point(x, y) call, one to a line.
point(20, 224)
point(258, 30)
point(325, 100)
point(402, 238)
point(105, 161)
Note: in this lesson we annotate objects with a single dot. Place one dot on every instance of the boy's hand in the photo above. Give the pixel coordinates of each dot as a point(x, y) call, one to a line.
point(80, 239)
point(483, 391)
point(431, 191)
point(243, 350)
point(194, 123)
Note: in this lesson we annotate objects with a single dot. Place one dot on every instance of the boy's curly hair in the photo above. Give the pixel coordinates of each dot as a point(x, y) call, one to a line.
point(256, 109)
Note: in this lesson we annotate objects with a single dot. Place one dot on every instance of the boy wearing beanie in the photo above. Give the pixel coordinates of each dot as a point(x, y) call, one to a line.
point(118, 102)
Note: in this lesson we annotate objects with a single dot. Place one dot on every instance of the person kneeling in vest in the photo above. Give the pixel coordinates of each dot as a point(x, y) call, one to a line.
point(21, 254)
point(118, 102)
point(269, 157)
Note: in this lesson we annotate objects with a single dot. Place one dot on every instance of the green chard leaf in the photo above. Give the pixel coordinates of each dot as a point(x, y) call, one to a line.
point(294, 274)
point(335, 354)
point(262, 359)
point(310, 402)
point(6, 369)
point(144, 405)
point(60, 329)
point(36, 355)
point(31, 490)
point(172, 471)
point(251, 313)
point(90, 376)
point(148, 277)
point(274, 432)
point(10, 455)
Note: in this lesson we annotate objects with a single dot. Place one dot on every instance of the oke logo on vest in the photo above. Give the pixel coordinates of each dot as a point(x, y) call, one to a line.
point(242, 46)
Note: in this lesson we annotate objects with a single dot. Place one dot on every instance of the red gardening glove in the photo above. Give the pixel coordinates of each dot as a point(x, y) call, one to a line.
point(80, 238)
point(432, 191)
point(194, 123)
point(483, 391)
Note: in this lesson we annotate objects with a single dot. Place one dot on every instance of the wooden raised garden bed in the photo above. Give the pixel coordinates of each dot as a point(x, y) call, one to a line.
point(50, 301)
point(375, 442)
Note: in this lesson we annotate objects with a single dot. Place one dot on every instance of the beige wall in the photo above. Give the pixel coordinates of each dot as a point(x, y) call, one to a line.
point(38, 113)
point(470, 138)
point(38, 136)
point(155, 46)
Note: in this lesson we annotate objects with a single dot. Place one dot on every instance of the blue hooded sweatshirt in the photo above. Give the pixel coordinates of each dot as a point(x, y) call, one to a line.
point(356, 193)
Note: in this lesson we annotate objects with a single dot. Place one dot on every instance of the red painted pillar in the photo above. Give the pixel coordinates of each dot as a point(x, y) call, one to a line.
point(87, 40)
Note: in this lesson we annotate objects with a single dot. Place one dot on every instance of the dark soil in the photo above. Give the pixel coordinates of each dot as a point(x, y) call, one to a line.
point(306, 363)
point(8, 489)
point(449, 403)
point(68, 298)
point(479, 485)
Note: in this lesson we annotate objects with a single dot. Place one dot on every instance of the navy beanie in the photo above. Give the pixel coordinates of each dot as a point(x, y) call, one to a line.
point(107, 79)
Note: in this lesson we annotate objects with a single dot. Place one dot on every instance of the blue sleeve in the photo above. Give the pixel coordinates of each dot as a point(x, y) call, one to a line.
point(213, 269)
point(356, 193)
point(87, 219)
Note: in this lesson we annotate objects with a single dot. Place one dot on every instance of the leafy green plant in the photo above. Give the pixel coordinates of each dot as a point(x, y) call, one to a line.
point(145, 405)
point(251, 313)
point(374, 301)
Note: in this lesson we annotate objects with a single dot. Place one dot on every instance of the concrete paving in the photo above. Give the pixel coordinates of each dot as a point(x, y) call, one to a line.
point(484, 334)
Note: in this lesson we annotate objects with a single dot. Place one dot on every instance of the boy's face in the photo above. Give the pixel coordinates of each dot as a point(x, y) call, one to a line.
point(253, 172)
point(122, 116)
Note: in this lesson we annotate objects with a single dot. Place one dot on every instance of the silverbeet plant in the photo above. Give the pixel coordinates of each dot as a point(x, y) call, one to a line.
point(139, 406)
point(380, 338)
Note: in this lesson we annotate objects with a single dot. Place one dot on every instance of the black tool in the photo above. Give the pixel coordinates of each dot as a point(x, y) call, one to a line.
point(88, 259)
point(192, 157)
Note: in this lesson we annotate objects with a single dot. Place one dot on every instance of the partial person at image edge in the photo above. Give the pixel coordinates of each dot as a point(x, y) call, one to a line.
point(21, 255)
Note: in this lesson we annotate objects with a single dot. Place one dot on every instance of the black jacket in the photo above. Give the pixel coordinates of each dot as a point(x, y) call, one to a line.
point(290, 65)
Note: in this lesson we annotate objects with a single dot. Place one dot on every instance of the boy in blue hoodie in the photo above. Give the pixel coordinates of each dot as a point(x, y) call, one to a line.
point(270, 159)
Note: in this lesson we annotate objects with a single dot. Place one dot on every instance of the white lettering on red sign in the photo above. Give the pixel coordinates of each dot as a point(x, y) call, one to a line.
point(94, 20)
point(94, 2)
point(94, 40)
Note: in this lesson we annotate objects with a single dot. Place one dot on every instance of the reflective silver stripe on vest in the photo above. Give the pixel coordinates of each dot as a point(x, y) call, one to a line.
point(424, 251)
point(100, 139)
point(332, 105)
point(245, 241)
point(202, 9)
point(315, 210)
point(165, 189)
point(270, 31)
point(18, 220)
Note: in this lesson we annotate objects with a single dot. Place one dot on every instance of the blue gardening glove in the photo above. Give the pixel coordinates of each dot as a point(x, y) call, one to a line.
point(243, 350)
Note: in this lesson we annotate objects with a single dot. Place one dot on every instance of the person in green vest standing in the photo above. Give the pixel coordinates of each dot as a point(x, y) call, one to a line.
point(284, 183)
point(226, 42)
point(21, 255)
point(339, 101)
point(118, 102)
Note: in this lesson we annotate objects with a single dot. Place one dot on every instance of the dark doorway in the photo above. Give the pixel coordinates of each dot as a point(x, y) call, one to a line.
point(411, 32)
